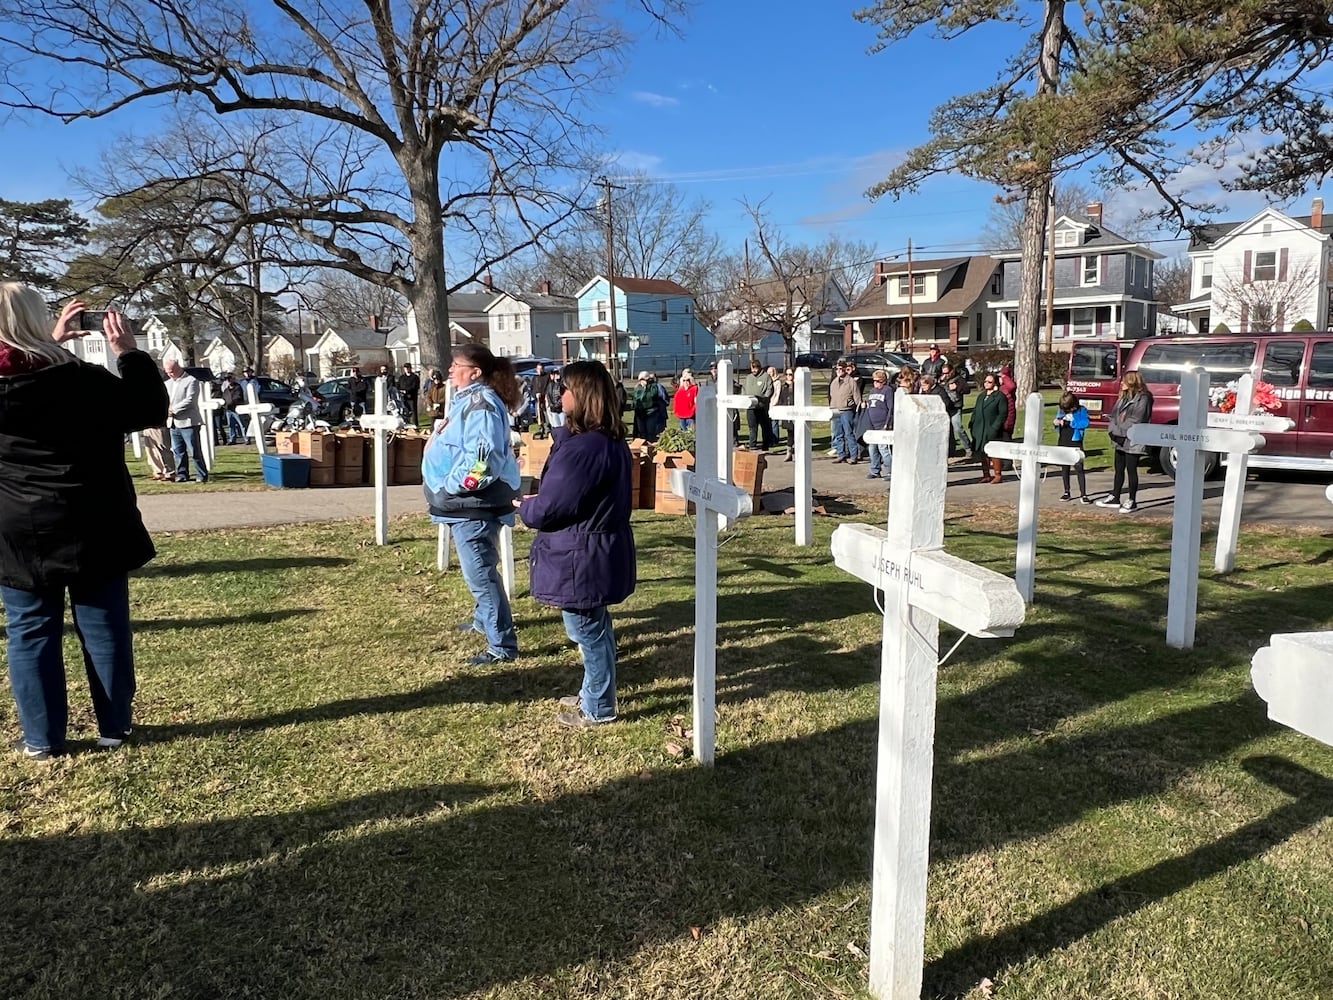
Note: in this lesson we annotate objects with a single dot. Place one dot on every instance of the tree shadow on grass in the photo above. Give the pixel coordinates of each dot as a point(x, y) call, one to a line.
point(259, 565)
point(222, 621)
point(959, 969)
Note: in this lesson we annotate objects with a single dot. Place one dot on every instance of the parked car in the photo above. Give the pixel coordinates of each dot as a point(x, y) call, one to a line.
point(867, 361)
point(526, 367)
point(813, 361)
point(333, 400)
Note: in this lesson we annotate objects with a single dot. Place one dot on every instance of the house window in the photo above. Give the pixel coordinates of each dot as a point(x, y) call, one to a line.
point(1268, 229)
point(918, 284)
point(601, 310)
point(1091, 268)
point(1265, 265)
point(1206, 274)
point(1066, 237)
point(499, 321)
point(1082, 322)
point(662, 315)
point(996, 284)
point(518, 321)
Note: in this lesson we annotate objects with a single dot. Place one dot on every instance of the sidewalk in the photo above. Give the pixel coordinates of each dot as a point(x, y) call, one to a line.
point(1266, 502)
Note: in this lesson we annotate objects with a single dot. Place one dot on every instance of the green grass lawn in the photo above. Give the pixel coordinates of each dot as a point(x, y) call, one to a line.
point(326, 803)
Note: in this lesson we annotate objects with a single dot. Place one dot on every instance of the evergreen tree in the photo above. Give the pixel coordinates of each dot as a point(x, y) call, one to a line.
point(34, 236)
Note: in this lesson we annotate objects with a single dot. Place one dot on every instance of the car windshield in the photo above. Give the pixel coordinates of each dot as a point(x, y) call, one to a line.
point(333, 386)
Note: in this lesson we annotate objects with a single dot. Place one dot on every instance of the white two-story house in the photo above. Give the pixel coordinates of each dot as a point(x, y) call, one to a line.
point(530, 323)
point(1269, 273)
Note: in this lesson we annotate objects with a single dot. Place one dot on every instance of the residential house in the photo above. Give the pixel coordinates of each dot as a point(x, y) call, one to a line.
point(220, 357)
point(365, 346)
point(922, 302)
point(530, 323)
point(656, 326)
point(1103, 284)
point(752, 330)
point(467, 324)
point(1264, 274)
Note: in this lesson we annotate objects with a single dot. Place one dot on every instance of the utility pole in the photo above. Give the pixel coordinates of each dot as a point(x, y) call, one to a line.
point(911, 318)
point(1050, 270)
point(607, 188)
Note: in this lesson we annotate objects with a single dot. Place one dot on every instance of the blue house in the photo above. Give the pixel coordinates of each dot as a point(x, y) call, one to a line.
point(656, 326)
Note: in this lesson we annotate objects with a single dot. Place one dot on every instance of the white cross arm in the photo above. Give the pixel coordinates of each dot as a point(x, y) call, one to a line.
point(878, 437)
point(971, 598)
point(1208, 439)
point(375, 421)
point(801, 412)
point(1294, 675)
point(1046, 454)
point(713, 494)
point(1251, 422)
point(1328, 494)
point(736, 402)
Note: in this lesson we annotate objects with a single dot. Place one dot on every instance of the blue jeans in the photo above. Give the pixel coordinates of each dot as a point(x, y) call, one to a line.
point(477, 544)
point(35, 624)
point(686, 423)
point(881, 459)
point(235, 429)
point(183, 438)
point(596, 639)
point(556, 419)
point(844, 441)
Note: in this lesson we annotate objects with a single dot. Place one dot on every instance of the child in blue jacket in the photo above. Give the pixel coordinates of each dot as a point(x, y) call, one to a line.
point(1071, 421)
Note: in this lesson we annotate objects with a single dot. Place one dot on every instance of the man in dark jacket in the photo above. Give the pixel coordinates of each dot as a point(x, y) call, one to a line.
point(541, 381)
point(409, 384)
point(232, 397)
point(934, 363)
point(356, 389)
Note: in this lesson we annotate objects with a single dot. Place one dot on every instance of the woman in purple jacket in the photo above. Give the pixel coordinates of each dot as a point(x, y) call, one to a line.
point(582, 559)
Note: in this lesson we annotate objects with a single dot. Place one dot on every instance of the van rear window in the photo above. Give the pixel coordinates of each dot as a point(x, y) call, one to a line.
point(1224, 362)
point(1094, 362)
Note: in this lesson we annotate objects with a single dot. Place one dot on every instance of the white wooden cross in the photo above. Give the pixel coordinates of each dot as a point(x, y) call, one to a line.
point(712, 496)
point(1242, 418)
point(922, 585)
point(208, 405)
point(726, 402)
point(1294, 674)
point(256, 411)
point(1032, 454)
point(136, 445)
point(444, 539)
point(801, 414)
point(1191, 437)
point(381, 422)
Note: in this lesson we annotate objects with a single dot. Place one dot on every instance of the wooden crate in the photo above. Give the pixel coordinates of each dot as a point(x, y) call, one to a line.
point(533, 456)
point(747, 472)
point(323, 475)
point(349, 459)
point(664, 500)
point(287, 442)
point(319, 446)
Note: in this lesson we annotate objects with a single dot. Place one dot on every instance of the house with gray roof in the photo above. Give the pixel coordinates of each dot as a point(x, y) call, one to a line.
point(1104, 284)
point(530, 323)
point(917, 303)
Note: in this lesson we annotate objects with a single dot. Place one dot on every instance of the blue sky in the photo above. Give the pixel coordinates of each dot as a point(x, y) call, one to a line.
point(775, 101)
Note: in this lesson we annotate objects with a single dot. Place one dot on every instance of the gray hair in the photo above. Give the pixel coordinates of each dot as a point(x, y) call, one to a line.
point(25, 323)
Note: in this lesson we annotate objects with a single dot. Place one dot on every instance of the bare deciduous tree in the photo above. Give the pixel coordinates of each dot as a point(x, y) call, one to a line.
point(366, 99)
point(1265, 306)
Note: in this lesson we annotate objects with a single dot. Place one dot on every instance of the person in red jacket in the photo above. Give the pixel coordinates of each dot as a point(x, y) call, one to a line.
point(683, 402)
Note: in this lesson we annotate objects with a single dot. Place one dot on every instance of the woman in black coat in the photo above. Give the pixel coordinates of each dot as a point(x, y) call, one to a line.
point(68, 516)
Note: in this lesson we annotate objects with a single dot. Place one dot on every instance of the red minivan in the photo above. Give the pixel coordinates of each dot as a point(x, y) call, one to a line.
point(1299, 367)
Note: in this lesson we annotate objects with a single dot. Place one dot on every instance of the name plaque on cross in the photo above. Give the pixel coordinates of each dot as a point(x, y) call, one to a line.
point(922, 586)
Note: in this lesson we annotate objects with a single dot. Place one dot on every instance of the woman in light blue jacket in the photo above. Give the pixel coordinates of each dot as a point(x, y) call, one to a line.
point(470, 477)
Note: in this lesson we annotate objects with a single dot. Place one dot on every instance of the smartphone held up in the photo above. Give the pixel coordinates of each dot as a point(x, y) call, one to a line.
point(91, 319)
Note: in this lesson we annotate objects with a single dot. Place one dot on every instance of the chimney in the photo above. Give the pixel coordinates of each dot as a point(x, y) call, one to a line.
point(374, 322)
point(879, 277)
point(1094, 212)
point(546, 287)
point(1317, 214)
point(486, 282)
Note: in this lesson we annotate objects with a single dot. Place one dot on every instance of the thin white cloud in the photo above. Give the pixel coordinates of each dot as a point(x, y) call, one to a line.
point(632, 162)
point(654, 100)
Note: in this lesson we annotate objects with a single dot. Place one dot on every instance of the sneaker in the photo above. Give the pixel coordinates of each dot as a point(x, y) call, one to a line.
point(570, 701)
point(872, 475)
point(1065, 497)
point(487, 658)
point(1085, 499)
point(1128, 507)
point(577, 720)
point(33, 753)
point(467, 626)
point(1109, 502)
point(113, 742)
